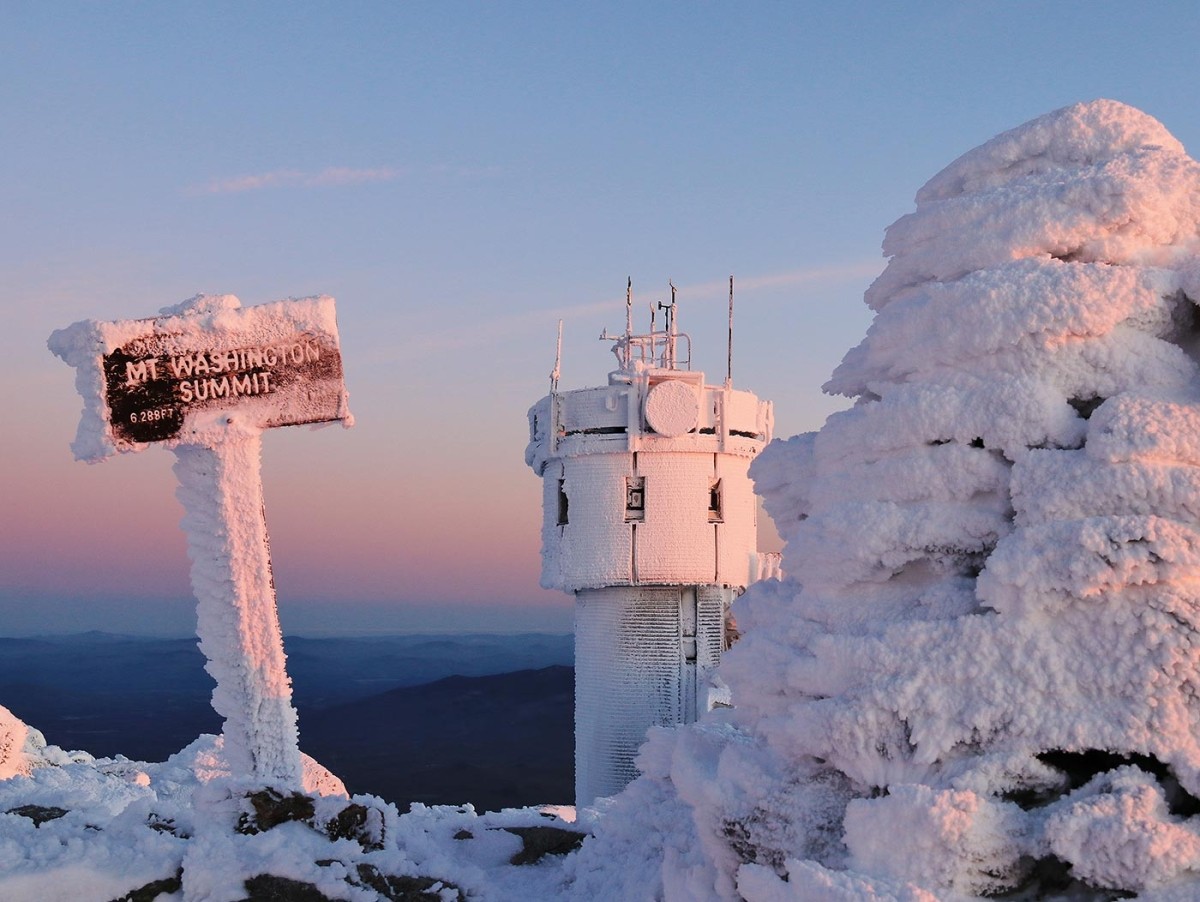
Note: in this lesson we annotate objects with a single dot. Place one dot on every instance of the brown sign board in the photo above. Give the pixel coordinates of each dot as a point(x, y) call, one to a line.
point(278, 364)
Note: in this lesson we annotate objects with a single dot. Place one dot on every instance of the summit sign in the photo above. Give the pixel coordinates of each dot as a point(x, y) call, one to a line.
point(204, 379)
point(152, 383)
point(146, 380)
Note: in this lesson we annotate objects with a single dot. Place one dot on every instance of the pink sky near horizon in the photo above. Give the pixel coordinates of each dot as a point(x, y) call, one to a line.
point(352, 535)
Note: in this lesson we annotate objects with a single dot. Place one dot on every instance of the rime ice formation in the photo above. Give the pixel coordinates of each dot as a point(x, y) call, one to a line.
point(13, 736)
point(204, 378)
point(220, 488)
point(649, 520)
point(982, 675)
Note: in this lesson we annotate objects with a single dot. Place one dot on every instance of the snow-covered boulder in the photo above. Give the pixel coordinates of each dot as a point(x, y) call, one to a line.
point(13, 735)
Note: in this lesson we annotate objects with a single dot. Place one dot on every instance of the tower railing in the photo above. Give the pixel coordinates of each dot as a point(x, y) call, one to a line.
point(653, 350)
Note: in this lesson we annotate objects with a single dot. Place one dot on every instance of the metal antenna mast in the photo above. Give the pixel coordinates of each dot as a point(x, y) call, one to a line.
point(674, 329)
point(628, 306)
point(557, 371)
point(729, 347)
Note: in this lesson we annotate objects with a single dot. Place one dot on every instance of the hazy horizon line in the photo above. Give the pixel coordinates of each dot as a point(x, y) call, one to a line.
point(341, 634)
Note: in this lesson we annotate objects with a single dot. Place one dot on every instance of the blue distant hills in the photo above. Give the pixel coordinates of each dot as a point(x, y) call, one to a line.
point(439, 719)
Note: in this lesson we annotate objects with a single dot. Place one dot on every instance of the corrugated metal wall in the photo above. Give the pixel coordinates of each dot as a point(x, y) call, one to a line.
point(642, 658)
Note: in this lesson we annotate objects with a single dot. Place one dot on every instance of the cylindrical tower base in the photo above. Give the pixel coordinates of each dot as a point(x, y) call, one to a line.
point(643, 657)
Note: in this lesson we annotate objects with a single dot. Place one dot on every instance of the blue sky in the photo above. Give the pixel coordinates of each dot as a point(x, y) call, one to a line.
point(460, 176)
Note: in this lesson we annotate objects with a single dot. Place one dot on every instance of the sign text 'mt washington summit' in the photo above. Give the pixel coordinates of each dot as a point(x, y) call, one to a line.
point(243, 368)
point(149, 390)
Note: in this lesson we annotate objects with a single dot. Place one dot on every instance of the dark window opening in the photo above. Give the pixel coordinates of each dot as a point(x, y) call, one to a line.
point(715, 510)
point(635, 498)
point(563, 504)
point(598, 430)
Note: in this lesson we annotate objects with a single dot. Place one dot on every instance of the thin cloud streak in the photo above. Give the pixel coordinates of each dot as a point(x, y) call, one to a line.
point(719, 290)
point(486, 331)
point(331, 177)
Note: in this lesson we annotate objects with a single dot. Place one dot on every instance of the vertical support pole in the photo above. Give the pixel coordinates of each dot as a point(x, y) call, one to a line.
point(673, 326)
point(729, 345)
point(628, 321)
point(688, 625)
point(654, 341)
point(220, 488)
point(557, 361)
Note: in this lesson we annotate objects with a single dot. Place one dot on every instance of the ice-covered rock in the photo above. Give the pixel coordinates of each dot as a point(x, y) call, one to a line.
point(13, 735)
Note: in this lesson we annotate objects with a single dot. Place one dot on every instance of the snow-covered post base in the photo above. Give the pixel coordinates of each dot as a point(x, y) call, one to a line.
point(220, 488)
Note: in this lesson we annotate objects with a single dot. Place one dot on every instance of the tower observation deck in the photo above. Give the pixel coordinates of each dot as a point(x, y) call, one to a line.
point(649, 520)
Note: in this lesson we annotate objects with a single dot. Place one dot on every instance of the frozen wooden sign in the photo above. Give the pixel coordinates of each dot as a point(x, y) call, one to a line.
point(205, 378)
point(278, 364)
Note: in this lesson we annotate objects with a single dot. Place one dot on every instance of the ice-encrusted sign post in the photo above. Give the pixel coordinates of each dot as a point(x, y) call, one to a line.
point(204, 378)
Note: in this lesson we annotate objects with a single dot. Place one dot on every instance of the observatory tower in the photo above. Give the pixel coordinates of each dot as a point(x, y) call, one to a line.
point(650, 521)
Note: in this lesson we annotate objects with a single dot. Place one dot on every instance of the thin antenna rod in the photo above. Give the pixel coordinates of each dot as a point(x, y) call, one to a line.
point(628, 306)
point(557, 361)
point(674, 326)
point(729, 351)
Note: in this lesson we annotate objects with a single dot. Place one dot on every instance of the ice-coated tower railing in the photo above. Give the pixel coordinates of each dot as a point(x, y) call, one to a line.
point(649, 520)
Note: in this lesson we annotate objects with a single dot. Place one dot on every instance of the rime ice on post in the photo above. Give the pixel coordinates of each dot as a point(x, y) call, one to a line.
point(649, 520)
point(204, 379)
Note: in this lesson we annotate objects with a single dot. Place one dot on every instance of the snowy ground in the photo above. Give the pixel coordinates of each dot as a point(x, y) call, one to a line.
point(78, 829)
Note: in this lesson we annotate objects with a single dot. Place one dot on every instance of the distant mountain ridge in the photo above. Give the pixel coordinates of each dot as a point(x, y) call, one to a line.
point(475, 718)
point(498, 741)
point(323, 671)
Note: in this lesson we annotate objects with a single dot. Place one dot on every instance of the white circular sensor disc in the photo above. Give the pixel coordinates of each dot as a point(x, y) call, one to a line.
point(672, 408)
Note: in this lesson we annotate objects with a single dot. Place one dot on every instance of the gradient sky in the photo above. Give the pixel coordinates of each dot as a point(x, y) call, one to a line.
point(460, 176)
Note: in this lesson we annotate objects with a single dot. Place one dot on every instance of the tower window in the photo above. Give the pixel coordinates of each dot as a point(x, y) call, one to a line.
point(635, 498)
point(563, 504)
point(715, 509)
